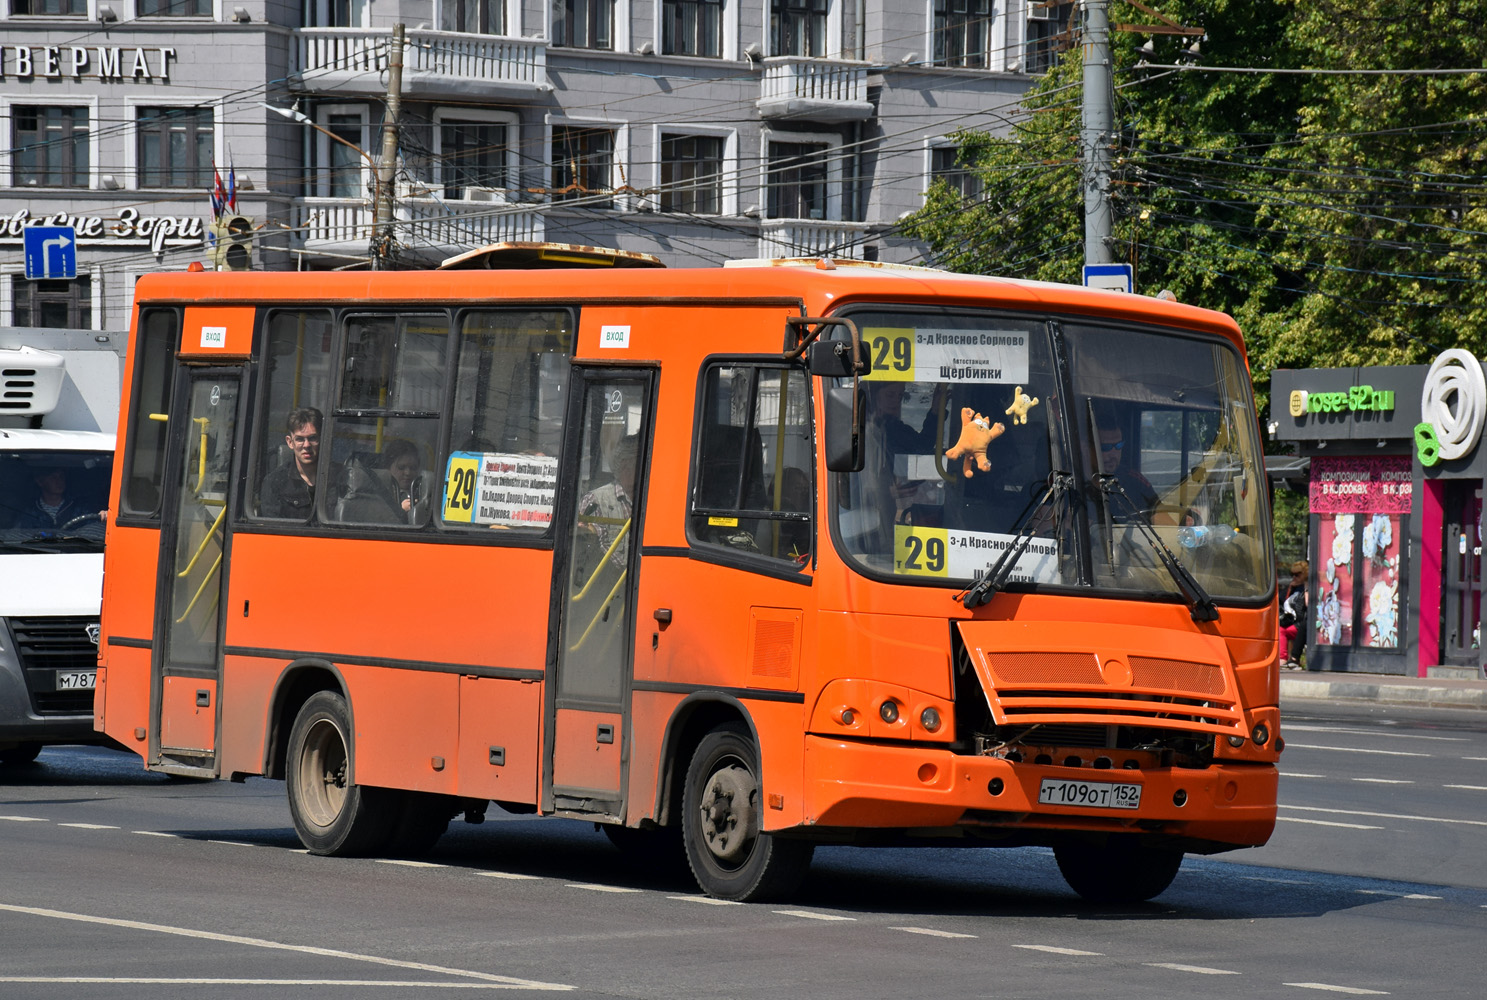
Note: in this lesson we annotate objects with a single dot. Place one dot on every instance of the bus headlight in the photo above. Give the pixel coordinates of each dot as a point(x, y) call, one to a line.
point(930, 719)
point(1261, 734)
point(888, 711)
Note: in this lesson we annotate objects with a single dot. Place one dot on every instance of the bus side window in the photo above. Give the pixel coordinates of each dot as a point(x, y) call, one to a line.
point(296, 376)
point(753, 482)
point(381, 435)
point(510, 395)
point(154, 366)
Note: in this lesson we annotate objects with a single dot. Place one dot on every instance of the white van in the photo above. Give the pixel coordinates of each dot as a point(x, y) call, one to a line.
point(59, 410)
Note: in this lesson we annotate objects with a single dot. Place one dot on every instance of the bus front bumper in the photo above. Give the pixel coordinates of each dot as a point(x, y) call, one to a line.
point(866, 785)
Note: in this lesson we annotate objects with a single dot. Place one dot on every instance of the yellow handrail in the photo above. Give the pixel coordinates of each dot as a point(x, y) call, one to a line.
point(201, 467)
point(203, 546)
point(599, 613)
point(603, 561)
point(205, 580)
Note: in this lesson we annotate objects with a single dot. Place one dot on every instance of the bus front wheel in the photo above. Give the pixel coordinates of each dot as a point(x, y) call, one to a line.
point(1121, 870)
point(730, 856)
point(331, 815)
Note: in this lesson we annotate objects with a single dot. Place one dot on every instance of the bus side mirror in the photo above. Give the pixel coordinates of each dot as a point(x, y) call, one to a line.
point(844, 428)
point(833, 359)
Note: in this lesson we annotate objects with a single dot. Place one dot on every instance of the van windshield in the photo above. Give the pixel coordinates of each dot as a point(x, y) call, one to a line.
point(1101, 443)
point(53, 499)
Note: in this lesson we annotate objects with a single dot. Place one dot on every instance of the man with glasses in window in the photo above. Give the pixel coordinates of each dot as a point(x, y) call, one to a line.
point(289, 491)
point(1113, 463)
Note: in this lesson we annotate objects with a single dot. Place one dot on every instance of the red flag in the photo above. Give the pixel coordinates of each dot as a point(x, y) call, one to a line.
point(219, 194)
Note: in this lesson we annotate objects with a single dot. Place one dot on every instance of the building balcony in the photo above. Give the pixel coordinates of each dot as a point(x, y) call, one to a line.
point(811, 238)
point(338, 61)
point(427, 228)
point(833, 90)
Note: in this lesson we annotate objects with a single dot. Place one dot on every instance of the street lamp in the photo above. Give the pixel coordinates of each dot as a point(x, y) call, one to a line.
point(294, 114)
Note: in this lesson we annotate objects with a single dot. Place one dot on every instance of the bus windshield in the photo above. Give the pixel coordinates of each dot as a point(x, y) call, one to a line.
point(1124, 457)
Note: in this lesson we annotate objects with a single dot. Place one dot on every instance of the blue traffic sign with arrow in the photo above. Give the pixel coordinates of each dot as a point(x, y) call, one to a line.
point(51, 252)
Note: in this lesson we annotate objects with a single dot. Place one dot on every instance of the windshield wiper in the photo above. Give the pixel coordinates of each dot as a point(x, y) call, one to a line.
point(989, 583)
point(1200, 605)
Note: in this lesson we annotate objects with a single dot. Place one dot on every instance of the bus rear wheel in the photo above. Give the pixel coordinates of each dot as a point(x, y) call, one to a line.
point(331, 815)
point(730, 856)
point(1121, 870)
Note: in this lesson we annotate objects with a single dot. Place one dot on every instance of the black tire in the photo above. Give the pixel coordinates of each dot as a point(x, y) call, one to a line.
point(422, 819)
point(332, 816)
point(1119, 871)
point(20, 754)
point(721, 815)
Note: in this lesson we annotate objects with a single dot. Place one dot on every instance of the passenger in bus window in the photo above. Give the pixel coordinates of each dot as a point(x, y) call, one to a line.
point(289, 491)
point(403, 466)
point(605, 510)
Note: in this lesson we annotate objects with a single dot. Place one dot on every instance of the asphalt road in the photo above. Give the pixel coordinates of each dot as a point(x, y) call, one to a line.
point(115, 883)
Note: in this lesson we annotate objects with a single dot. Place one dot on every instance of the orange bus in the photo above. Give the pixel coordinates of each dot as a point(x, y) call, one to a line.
point(732, 561)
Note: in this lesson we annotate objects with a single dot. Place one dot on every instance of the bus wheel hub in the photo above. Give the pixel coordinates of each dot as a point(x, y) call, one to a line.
point(729, 822)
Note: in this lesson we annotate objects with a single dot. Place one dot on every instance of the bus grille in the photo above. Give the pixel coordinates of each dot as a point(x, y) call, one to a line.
point(46, 645)
point(1068, 689)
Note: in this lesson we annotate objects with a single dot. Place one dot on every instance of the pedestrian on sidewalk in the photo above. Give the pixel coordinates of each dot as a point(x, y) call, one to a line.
point(1293, 615)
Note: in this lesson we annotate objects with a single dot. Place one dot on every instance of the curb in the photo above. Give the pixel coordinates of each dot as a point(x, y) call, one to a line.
point(1424, 694)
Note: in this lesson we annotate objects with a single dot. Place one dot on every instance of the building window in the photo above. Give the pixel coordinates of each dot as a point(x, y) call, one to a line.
point(345, 178)
point(583, 24)
point(945, 165)
point(51, 146)
point(797, 180)
point(61, 305)
point(582, 164)
point(50, 8)
point(472, 155)
point(692, 28)
point(175, 8)
point(691, 174)
point(1048, 34)
point(175, 147)
point(483, 17)
point(798, 27)
point(961, 31)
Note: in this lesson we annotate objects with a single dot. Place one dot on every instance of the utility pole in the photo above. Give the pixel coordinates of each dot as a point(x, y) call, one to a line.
point(382, 236)
point(1098, 126)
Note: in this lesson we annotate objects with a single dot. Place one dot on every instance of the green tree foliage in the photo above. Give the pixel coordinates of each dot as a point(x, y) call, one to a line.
point(1342, 219)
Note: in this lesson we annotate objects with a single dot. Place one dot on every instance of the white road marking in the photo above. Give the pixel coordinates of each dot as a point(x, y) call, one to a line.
point(404, 862)
point(1201, 970)
point(155, 833)
point(1058, 951)
point(810, 915)
point(24, 819)
point(1387, 753)
point(931, 932)
point(514, 876)
point(594, 887)
point(302, 949)
point(1378, 815)
point(1323, 822)
point(1290, 728)
point(1298, 774)
point(141, 981)
point(706, 899)
point(1468, 788)
point(1281, 881)
point(1399, 895)
point(1385, 781)
point(1474, 758)
point(1339, 989)
point(231, 843)
point(89, 826)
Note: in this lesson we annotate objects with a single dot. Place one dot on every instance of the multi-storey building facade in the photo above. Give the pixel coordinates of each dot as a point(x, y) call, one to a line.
point(697, 130)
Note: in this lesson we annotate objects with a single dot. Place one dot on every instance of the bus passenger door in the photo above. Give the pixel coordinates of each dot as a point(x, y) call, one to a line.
point(592, 642)
point(192, 573)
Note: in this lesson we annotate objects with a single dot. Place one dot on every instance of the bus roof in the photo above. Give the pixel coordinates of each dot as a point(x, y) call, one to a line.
point(819, 287)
